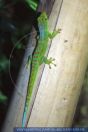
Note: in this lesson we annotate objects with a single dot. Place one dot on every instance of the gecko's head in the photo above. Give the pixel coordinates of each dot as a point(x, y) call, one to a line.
point(42, 18)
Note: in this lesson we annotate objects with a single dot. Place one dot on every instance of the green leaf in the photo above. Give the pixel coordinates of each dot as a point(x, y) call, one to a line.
point(33, 4)
point(4, 63)
point(3, 98)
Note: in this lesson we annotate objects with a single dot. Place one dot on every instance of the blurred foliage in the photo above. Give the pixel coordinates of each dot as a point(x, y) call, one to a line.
point(16, 20)
point(4, 64)
point(3, 98)
point(33, 4)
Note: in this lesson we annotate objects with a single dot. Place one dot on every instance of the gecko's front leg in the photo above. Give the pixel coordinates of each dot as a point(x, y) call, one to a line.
point(49, 61)
point(54, 33)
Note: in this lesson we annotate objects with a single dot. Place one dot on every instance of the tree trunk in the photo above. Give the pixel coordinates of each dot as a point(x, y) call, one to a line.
point(60, 86)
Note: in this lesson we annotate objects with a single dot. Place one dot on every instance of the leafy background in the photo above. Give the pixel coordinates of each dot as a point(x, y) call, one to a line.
point(16, 20)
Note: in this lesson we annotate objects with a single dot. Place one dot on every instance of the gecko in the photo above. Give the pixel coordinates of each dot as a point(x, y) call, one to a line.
point(38, 58)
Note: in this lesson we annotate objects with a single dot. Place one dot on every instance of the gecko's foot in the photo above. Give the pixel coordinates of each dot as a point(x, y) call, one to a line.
point(51, 61)
point(51, 36)
point(58, 30)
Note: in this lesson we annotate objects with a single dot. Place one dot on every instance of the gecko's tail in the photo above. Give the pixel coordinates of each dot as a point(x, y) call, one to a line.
point(24, 118)
point(27, 106)
point(28, 97)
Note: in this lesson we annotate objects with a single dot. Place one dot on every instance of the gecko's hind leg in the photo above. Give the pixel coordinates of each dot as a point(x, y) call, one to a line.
point(49, 61)
point(29, 61)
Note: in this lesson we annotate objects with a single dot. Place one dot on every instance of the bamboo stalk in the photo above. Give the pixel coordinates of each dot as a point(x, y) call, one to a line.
point(60, 86)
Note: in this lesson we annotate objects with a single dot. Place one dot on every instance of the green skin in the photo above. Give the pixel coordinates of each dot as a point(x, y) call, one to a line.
point(38, 58)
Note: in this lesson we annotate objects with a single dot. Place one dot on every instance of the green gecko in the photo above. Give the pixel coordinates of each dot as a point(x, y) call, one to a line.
point(38, 58)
